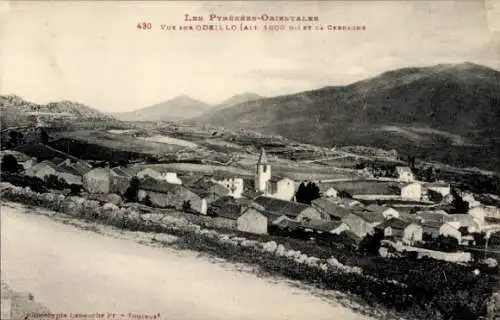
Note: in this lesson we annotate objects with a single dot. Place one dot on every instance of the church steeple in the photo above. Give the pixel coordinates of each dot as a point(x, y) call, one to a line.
point(262, 157)
point(262, 172)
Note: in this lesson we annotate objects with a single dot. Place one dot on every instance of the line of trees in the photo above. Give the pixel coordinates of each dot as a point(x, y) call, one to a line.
point(307, 193)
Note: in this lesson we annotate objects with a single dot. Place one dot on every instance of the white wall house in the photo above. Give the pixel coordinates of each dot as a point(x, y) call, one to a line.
point(412, 191)
point(281, 188)
point(170, 177)
point(405, 174)
point(233, 184)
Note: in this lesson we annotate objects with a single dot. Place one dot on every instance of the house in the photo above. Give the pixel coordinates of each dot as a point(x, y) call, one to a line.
point(440, 187)
point(386, 212)
point(170, 177)
point(333, 207)
point(78, 169)
point(320, 226)
point(404, 174)
point(492, 212)
point(97, 180)
point(479, 214)
point(405, 231)
point(208, 190)
point(234, 184)
point(253, 220)
point(362, 222)
point(46, 168)
point(412, 191)
point(148, 172)
point(276, 187)
point(120, 180)
point(281, 188)
point(228, 207)
point(462, 221)
point(293, 210)
point(435, 228)
point(329, 192)
point(163, 194)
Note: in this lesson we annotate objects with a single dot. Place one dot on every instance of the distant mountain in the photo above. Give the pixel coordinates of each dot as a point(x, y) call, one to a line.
point(181, 107)
point(236, 99)
point(447, 112)
point(16, 111)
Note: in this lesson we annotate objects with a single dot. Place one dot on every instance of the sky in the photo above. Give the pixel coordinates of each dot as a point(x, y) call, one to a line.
point(92, 51)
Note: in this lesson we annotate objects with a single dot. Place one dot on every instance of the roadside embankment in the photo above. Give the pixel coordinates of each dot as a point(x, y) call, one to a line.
point(372, 285)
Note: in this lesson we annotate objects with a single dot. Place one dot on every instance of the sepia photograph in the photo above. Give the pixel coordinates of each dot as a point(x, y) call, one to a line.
point(236, 160)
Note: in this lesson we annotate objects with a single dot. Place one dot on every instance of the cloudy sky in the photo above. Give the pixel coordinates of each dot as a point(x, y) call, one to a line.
point(92, 52)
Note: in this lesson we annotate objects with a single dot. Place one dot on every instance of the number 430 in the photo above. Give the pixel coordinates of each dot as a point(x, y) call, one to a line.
point(144, 25)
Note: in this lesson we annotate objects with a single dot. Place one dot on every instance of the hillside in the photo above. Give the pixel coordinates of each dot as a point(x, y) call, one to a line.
point(235, 100)
point(179, 108)
point(16, 111)
point(448, 113)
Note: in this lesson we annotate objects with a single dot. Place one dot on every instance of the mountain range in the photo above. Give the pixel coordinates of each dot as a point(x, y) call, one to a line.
point(448, 113)
point(182, 107)
point(15, 111)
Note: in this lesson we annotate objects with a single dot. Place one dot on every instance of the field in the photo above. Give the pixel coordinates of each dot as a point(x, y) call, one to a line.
point(118, 142)
point(170, 141)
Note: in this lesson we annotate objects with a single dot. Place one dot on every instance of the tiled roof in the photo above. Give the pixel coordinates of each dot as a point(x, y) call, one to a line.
point(432, 224)
point(368, 215)
point(437, 215)
point(76, 168)
point(331, 208)
point(288, 224)
point(204, 188)
point(376, 208)
point(394, 223)
point(321, 225)
point(121, 172)
point(227, 207)
point(281, 207)
point(161, 186)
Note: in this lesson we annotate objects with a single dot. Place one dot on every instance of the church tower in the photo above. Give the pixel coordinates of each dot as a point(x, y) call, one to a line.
point(263, 172)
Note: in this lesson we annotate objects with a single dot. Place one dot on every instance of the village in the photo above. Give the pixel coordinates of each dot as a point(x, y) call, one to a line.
point(406, 214)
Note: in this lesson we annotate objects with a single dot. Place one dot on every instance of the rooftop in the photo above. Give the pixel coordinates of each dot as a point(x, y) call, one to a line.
point(369, 216)
point(320, 225)
point(394, 223)
point(328, 206)
point(281, 207)
point(161, 186)
point(227, 207)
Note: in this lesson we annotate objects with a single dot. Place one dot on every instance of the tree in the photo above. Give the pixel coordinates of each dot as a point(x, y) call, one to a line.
point(75, 189)
point(44, 136)
point(307, 193)
point(10, 165)
point(186, 205)
point(479, 239)
point(371, 243)
point(458, 204)
point(14, 138)
point(147, 201)
point(132, 192)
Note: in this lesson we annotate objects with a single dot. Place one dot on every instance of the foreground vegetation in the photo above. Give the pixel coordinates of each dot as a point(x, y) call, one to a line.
point(418, 288)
